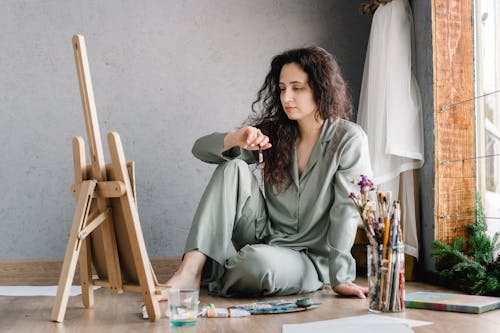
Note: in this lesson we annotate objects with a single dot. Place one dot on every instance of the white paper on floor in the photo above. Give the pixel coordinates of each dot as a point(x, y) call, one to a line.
point(365, 323)
point(37, 290)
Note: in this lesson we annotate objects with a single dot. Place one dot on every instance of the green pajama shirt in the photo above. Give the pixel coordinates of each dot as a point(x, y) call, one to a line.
point(287, 242)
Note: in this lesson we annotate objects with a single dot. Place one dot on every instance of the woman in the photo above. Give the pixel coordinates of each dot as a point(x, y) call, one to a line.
point(298, 235)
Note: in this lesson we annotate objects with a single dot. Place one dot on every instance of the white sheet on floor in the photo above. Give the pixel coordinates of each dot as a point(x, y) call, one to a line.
point(367, 323)
point(37, 290)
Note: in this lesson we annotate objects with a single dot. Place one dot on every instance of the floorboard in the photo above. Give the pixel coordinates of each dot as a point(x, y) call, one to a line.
point(120, 313)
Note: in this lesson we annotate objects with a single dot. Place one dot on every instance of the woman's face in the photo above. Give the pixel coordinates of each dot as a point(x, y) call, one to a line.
point(296, 95)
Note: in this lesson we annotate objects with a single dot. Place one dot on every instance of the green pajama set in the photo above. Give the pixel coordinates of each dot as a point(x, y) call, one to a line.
point(290, 242)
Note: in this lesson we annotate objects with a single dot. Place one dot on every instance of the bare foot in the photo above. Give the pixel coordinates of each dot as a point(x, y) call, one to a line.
point(188, 275)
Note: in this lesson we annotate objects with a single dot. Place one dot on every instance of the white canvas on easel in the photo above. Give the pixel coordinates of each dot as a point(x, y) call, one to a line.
point(106, 234)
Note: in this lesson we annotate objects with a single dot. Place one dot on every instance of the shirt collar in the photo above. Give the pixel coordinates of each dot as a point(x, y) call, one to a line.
point(327, 130)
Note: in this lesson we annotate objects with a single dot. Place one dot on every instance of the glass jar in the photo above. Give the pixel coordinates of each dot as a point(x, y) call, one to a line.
point(386, 278)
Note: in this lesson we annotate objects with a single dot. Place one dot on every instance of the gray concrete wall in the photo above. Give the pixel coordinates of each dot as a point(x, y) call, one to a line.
point(164, 73)
point(424, 73)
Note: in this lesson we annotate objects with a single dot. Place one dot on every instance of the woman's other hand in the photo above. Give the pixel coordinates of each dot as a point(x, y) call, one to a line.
point(351, 289)
point(248, 137)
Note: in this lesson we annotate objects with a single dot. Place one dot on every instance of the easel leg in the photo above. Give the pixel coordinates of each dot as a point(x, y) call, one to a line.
point(73, 249)
point(86, 274)
point(132, 222)
point(85, 253)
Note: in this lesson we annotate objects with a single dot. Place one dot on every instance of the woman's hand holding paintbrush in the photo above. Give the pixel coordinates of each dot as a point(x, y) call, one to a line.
point(249, 137)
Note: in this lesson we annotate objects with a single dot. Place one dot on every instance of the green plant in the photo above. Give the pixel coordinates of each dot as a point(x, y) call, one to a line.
point(471, 265)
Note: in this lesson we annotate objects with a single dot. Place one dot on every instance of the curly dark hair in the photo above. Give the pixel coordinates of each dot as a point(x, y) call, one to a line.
point(330, 94)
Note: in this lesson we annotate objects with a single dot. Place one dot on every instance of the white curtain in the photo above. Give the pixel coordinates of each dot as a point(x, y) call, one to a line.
point(390, 110)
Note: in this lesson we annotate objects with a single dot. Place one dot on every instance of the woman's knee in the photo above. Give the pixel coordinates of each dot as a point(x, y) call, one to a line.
point(237, 174)
point(256, 255)
point(233, 166)
point(249, 272)
point(270, 270)
point(229, 174)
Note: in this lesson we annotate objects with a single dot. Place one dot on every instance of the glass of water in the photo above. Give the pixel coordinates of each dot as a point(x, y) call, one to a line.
point(182, 306)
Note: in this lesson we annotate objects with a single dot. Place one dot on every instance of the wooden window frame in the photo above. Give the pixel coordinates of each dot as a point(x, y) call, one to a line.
point(453, 60)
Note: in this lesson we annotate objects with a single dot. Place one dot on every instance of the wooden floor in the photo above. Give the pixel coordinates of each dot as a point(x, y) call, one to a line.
point(120, 313)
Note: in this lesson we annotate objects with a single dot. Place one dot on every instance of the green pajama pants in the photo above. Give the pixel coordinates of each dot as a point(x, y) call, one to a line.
point(232, 208)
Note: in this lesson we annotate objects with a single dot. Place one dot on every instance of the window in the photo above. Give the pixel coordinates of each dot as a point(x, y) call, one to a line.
point(487, 84)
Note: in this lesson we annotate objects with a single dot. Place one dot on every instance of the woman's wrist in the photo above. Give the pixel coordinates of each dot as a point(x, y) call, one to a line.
point(228, 141)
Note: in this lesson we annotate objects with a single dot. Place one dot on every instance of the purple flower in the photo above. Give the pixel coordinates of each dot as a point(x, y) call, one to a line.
point(365, 184)
point(365, 181)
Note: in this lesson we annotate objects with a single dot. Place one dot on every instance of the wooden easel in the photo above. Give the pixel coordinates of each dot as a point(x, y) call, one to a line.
point(106, 234)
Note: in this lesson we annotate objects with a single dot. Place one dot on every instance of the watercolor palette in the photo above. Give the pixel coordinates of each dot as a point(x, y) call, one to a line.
point(279, 306)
